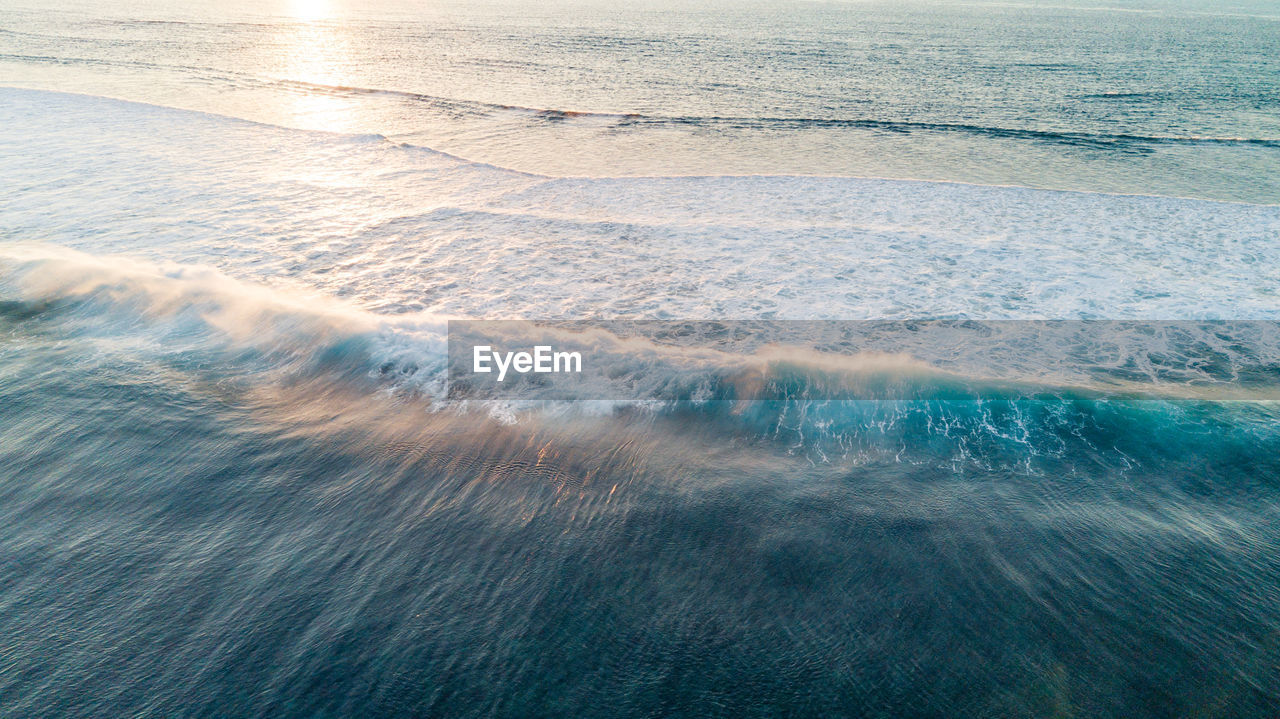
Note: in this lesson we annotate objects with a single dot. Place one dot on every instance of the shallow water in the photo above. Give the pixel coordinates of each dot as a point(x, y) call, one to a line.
point(1170, 98)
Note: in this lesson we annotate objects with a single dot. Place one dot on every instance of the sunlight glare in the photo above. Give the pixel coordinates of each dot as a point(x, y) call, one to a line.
point(309, 9)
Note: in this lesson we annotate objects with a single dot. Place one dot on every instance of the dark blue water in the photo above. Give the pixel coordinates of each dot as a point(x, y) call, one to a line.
point(184, 541)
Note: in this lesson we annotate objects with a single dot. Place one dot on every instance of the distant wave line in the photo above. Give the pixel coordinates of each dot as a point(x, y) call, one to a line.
point(636, 119)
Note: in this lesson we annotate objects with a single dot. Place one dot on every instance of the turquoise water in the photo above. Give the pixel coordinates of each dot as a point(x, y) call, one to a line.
point(232, 481)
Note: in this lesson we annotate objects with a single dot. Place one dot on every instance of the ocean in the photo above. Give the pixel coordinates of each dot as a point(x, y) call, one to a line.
point(236, 240)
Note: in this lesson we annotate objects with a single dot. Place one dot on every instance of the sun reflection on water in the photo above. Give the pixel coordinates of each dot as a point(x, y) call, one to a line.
point(316, 60)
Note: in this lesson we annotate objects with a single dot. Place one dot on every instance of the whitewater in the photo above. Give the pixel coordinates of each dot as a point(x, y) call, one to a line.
point(394, 228)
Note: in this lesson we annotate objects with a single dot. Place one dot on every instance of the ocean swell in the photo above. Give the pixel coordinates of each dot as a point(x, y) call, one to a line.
point(198, 323)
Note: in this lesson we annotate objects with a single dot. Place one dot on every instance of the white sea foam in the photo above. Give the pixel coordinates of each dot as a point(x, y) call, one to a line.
point(395, 229)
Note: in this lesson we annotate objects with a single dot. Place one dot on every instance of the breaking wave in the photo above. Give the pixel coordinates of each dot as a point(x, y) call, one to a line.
point(198, 323)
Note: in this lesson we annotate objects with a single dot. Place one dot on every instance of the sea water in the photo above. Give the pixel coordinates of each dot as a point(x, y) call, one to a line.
point(232, 482)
